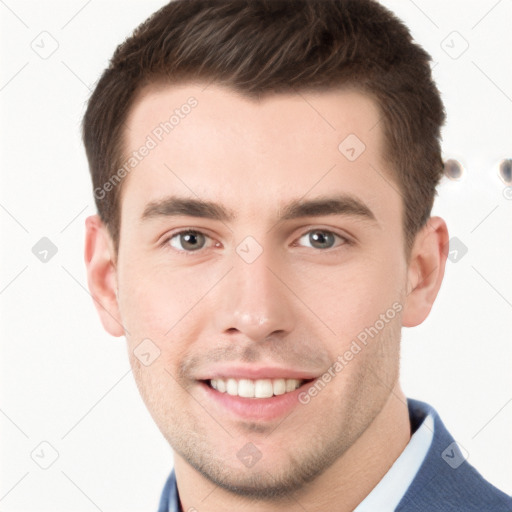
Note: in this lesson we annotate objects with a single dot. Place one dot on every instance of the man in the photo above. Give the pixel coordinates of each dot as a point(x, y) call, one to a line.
point(264, 173)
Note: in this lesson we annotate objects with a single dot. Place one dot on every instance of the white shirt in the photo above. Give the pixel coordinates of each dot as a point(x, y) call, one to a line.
point(386, 495)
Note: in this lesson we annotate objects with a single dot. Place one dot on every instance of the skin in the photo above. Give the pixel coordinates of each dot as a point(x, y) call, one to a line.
point(298, 304)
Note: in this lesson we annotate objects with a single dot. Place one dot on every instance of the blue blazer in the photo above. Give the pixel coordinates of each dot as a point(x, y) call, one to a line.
point(445, 481)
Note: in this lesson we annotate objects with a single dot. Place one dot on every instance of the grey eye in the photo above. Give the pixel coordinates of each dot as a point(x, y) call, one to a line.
point(320, 239)
point(188, 241)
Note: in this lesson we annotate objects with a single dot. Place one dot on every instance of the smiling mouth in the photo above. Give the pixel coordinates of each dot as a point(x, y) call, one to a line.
point(257, 388)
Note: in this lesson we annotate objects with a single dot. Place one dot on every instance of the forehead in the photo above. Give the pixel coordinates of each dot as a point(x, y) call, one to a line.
point(252, 155)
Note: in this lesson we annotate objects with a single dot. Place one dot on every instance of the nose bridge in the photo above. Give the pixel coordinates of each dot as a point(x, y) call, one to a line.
point(253, 300)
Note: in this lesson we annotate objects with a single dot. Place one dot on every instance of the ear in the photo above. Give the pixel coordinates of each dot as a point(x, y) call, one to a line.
point(425, 271)
point(102, 275)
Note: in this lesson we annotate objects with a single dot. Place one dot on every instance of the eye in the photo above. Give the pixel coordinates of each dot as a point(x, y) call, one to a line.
point(322, 239)
point(187, 241)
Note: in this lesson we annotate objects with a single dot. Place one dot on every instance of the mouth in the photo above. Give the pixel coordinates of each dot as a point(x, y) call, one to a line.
point(260, 400)
point(256, 388)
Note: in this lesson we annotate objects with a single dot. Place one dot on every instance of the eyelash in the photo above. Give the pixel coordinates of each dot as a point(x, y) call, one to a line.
point(165, 242)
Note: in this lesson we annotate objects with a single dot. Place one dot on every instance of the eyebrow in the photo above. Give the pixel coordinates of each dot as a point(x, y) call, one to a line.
point(332, 205)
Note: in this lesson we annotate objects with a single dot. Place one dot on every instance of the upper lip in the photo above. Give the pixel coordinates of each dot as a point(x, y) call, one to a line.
point(256, 372)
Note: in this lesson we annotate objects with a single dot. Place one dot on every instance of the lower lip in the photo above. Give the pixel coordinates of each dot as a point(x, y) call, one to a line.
point(263, 409)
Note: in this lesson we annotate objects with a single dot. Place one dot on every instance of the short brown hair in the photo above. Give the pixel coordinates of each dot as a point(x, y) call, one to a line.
point(263, 46)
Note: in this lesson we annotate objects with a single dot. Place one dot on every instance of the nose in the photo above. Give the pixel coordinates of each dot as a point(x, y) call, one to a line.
point(254, 301)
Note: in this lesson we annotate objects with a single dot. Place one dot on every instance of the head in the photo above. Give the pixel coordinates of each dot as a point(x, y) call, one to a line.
point(264, 174)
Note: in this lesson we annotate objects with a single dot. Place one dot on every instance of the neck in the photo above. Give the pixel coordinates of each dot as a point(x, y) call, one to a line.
point(342, 487)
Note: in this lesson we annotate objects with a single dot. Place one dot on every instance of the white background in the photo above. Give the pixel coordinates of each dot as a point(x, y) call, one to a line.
point(66, 382)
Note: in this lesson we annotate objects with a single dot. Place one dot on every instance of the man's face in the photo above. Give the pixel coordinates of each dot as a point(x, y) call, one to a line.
point(266, 292)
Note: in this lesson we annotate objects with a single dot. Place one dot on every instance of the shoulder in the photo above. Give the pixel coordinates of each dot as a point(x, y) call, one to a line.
point(446, 482)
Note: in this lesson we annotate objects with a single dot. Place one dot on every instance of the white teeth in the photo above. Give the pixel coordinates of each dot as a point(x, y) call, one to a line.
point(221, 385)
point(279, 386)
point(290, 385)
point(261, 388)
point(232, 387)
point(246, 388)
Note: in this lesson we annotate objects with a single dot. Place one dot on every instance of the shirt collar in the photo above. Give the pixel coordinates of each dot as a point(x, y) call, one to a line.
point(386, 495)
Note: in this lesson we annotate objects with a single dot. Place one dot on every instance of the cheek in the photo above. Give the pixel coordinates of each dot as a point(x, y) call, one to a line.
point(153, 300)
point(164, 312)
point(351, 297)
point(156, 384)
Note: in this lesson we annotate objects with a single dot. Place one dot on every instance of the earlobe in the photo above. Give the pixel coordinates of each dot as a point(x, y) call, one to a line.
point(425, 271)
point(102, 275)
